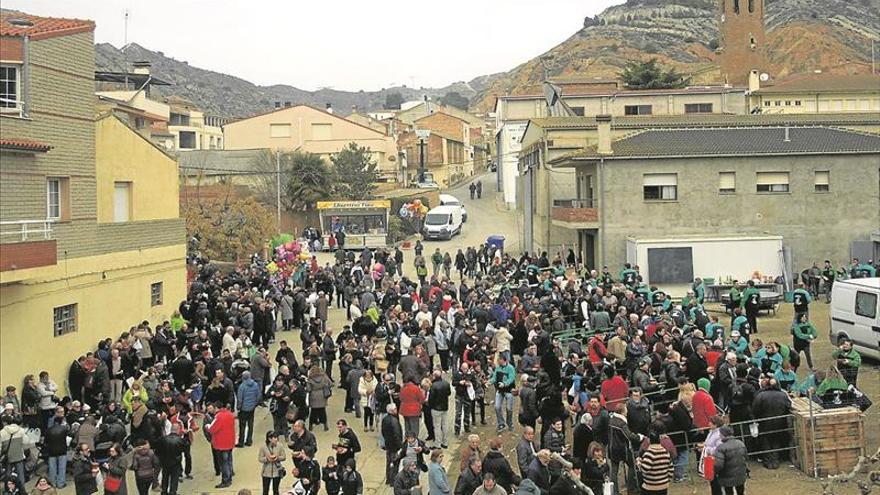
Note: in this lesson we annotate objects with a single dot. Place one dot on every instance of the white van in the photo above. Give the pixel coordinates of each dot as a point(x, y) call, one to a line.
point(448, 199)
point(442, 222)
point(855, 314)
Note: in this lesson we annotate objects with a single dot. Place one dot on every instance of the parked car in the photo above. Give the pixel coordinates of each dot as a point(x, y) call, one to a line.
point(855, 314)
point(442, 222)
point(450, 200)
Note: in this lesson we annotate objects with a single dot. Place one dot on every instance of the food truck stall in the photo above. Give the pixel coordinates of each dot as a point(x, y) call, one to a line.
point(365, 223)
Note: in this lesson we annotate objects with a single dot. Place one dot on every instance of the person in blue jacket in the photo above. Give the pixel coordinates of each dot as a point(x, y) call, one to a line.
point(248, 397)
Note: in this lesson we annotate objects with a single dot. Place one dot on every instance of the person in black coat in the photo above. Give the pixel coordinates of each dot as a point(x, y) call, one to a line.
point(495, 463)
point(539, 471)
point(85, 471)
point(595, 468)
point(696, 365)
point(772, 402)
point(170, 451)
point(582, 437)
point(392, 433)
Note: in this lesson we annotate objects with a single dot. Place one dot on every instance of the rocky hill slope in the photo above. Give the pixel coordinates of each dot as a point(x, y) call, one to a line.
point(802, 35)
point(229, 96)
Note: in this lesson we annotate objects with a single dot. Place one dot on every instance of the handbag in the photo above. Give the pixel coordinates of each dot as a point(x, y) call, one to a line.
point(707, 467)
point(112, 483)
point(608, 488)
point(282, 472)
point(328, 391)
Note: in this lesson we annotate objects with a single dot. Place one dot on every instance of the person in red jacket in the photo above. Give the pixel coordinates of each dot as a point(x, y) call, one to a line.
point(704, 405)
point(411, 399)
point(598, 351)
point(222, 431)
point(614, 390)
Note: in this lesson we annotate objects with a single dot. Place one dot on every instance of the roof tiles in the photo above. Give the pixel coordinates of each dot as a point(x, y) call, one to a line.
point(19, 24)
point(23, 145)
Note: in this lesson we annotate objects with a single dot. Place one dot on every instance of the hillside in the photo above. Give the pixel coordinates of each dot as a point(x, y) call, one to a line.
point(802, 35)
point(229, 96)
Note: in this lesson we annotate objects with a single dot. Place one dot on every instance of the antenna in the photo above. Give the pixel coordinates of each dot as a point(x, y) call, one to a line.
point(125, 35)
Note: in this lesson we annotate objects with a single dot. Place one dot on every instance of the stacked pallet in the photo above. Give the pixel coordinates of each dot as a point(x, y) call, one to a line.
point(831, 440)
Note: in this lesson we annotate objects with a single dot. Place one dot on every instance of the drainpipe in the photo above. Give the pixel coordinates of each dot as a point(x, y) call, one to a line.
point(602, 210)
point(25, 77)
point(548, 203)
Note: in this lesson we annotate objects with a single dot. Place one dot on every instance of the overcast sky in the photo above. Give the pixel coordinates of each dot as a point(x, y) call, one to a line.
point(344, 44)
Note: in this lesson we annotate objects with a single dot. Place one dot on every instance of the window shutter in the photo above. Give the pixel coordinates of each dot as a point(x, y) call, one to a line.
point(822, 177)
point(727, 181)
point(661, 179)
point(770, 178)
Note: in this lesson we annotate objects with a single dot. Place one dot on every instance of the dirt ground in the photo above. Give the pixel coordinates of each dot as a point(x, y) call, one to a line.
point(787, 480)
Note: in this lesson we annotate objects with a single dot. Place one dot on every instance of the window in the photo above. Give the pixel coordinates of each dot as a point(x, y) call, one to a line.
point(797, 103)
point(637, 110)
point(751, 5)
point(187, 140)
point(64, 319)
point(322, 132)
point(766, 103)
point(777, 103)
point(279, 130)
point(121, 201)
point(10, 89)
point(866, 304)
point(139, 123)
point(579, 111)
point(178, 119)
point(726, 182)
point(736, 6)
point(788, 103)
point(53, 198)
point(772, 182)
point(698, 108)
point(156, 294)
point(660, 187)
point(822, 181)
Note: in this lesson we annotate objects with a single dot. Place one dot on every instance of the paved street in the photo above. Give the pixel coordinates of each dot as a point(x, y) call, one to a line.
point(483, 219)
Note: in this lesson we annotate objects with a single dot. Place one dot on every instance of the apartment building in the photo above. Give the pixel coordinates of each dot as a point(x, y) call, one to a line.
point(445, 156)
point(715, 175)
point(312, 130)
point(91, 242)
point(817, 93)
point(587, 97)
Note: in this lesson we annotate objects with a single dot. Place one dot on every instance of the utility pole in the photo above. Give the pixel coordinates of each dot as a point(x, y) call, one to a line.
point(125, 36)
point(278, 186)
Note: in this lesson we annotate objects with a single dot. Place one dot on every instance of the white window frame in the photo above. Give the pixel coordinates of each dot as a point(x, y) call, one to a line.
point(17, 107)
point(116, 213)
point(49, 196)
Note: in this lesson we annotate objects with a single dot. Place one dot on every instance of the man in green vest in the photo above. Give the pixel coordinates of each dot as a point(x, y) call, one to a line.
point(699, 290)
point(828, 276)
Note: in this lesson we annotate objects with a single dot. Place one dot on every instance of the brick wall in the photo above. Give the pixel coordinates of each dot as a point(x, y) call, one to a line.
point(575, 215)
point(21, 255)
point(443, 123)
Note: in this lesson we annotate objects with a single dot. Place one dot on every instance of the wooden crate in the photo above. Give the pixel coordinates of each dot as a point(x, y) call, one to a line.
point(837, 436)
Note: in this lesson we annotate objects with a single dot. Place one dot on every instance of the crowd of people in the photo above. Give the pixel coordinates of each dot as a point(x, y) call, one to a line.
point(604, 380)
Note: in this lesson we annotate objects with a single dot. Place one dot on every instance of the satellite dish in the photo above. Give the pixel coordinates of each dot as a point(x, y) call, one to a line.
point(764, 77)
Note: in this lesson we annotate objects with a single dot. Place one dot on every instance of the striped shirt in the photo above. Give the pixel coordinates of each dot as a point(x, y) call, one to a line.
point(656, 467)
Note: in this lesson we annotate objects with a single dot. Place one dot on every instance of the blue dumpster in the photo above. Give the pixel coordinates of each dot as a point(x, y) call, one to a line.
point(496, 241)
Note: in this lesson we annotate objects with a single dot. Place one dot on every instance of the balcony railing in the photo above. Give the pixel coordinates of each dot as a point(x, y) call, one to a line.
point(574, 203)
point(26, 230)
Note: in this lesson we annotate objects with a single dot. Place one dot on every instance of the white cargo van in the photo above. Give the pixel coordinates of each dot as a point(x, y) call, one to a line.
point(442, 222)
point(448, 199)
point(855, 314)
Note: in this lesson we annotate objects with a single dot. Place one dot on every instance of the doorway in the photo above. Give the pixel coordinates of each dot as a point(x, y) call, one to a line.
point(587, 247)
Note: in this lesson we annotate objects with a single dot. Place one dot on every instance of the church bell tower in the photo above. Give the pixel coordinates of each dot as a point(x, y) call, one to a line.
point(742, 43)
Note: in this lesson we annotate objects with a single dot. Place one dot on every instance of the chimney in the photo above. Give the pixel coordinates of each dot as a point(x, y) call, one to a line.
point(142, 67)
point(787, 137)
point(329, 108)
point(754, 80)
point(603, 129)
point(354, 109)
